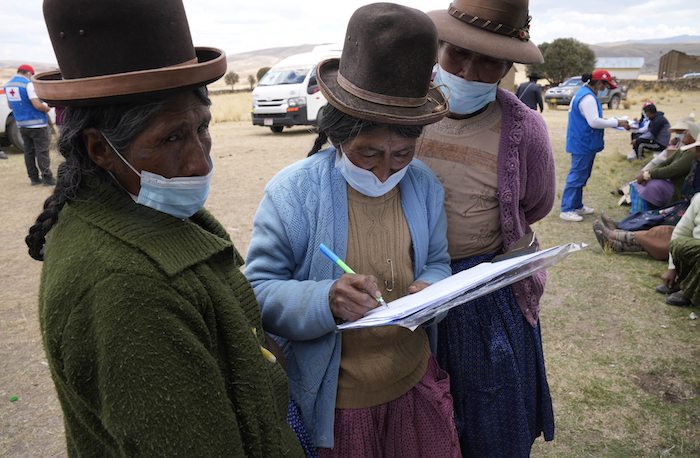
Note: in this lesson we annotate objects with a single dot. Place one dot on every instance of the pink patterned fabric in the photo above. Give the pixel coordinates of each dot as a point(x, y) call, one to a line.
point(526, 184)
point(418, 424)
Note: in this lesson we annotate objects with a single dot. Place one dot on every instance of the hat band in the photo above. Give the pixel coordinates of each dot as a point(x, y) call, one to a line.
point(522, 34)
point(382, 99)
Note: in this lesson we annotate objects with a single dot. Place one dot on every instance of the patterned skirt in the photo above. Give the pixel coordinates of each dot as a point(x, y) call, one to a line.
point(418, 424)
point(496, 366)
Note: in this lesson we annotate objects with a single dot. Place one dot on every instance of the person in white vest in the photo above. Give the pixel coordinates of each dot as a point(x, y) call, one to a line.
point(31, 116)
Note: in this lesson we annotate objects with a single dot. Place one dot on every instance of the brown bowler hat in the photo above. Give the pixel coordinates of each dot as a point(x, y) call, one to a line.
point(113, 51)
point(383, 74)
point(495, 28)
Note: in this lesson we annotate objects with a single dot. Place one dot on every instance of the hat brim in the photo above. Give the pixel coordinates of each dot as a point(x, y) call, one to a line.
point(458, 33)
point(126, 87)
point(434, 109)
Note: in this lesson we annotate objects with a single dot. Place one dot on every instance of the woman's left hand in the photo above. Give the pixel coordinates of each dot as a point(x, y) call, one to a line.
point(417, 286)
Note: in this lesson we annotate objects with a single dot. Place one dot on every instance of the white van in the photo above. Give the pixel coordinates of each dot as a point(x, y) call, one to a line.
point(9, 132)
point(288, 94)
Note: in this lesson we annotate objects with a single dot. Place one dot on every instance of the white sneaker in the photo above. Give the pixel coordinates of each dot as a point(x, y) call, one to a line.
point(632, 155)
point(570, 216)
point(584, 211)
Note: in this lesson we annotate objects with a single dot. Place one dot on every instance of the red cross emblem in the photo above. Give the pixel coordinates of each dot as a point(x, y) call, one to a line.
point(12, 92)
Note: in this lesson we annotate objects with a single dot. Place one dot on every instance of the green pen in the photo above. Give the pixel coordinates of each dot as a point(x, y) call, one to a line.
point(334, 257)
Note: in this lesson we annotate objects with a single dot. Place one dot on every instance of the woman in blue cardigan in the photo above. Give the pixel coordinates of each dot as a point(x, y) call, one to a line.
point(377, 391)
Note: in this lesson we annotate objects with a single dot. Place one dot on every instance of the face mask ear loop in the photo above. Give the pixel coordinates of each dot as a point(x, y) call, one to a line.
point(119, 154)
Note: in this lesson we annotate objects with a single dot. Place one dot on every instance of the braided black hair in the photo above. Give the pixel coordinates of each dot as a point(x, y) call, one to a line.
point(337, 126)
point(120, 123)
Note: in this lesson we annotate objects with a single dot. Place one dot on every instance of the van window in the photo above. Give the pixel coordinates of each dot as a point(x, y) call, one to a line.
point(312, 88)
point(290, 75)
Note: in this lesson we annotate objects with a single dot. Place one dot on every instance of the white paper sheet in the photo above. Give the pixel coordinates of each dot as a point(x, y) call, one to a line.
point(414, 309)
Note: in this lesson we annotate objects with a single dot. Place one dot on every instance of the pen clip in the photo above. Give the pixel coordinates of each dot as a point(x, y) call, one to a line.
point(386, 283)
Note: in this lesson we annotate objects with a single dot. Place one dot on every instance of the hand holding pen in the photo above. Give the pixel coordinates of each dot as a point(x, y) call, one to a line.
point(352, 295)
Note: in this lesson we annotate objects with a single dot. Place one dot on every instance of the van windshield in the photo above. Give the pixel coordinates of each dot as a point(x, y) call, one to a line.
point(290, 75)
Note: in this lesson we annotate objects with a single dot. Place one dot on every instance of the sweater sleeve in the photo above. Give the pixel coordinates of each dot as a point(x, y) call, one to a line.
point(589, 110)
point(678, 166)
point(291, 308)
point(159, 387)
point(540, 179)
point(686, 225)
point(437, 266)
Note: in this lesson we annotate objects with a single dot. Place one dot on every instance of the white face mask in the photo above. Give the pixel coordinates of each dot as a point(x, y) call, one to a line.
point(364, 181)
point(180, 197)
point(465, 97)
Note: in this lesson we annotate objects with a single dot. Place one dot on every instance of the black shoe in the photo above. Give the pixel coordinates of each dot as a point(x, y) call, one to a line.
point(678, 299)
point(35, 181)
point(663, 289)
point(49, 181)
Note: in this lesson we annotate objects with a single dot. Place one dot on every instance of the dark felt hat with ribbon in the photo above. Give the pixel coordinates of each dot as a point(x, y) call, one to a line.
point(113, 51)
point(384, 72)
point(495, 28)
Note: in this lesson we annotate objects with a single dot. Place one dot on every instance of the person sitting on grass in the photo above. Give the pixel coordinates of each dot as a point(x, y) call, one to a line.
point(655, 226)
point(655, 136)
point(662, 185)
point(678, 131)
point(682, 279)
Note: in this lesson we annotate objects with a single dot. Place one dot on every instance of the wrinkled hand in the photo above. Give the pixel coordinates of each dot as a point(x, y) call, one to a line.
point(623, 123)
point(416, 286)
point(352, 296)
point(640, 179)
point(669, 278)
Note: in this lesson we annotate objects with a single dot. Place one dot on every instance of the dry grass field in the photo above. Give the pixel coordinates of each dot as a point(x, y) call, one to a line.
point(622, 365)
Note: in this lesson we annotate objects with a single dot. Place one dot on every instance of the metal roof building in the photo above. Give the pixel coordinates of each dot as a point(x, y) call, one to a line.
point(627, 68)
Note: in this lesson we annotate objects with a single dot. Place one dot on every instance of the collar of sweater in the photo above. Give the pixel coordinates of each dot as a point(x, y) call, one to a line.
point(171, 243)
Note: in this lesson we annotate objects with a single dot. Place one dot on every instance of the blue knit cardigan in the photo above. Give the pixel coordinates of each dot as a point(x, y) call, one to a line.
point(305, 205)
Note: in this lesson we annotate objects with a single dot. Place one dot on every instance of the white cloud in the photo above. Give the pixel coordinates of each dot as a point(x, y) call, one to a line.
point(246, 25)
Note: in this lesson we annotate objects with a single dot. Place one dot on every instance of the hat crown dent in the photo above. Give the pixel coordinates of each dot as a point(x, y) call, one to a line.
point(97, 38)
point(389, 50)
point(513, 13)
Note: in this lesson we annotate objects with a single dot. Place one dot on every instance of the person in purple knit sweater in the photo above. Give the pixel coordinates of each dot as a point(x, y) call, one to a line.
point(493, 156)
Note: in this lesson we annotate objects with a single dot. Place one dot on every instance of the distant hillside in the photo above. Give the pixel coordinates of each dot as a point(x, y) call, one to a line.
point(650, 52)
point(656, 41)
point(248, 63)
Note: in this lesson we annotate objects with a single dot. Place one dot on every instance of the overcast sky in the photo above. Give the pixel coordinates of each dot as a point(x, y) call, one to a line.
point(246, 25)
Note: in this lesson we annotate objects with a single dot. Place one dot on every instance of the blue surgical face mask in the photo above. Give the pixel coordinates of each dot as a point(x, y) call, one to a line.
point(364, 181)
point(180, 197)
point(465, 97)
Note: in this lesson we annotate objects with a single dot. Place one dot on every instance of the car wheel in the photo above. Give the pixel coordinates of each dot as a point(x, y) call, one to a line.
point(614, 102)
point(13, 134)
point(277, 129)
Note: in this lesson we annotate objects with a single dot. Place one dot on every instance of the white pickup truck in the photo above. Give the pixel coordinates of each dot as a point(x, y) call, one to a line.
point(9, 132)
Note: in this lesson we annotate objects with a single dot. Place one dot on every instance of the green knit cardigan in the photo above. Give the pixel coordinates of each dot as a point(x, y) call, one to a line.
point(147, 325)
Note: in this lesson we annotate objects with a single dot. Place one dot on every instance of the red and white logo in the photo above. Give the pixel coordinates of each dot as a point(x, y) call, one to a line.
point(13, 94)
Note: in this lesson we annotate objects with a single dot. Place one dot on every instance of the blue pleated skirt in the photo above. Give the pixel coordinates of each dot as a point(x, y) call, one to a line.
point(496, 367)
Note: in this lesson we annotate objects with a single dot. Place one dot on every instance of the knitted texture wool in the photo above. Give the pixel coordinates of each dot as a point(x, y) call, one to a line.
point(147, 325)
point(526, 184)
point(305, 205)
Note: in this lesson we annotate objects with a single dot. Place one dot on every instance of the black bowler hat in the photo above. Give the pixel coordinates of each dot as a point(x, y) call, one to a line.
point(114, 51)
point(383, 74)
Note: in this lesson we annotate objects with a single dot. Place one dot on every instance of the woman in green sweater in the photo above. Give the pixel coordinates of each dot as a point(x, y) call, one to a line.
point(663, 185)
point(152, 334)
